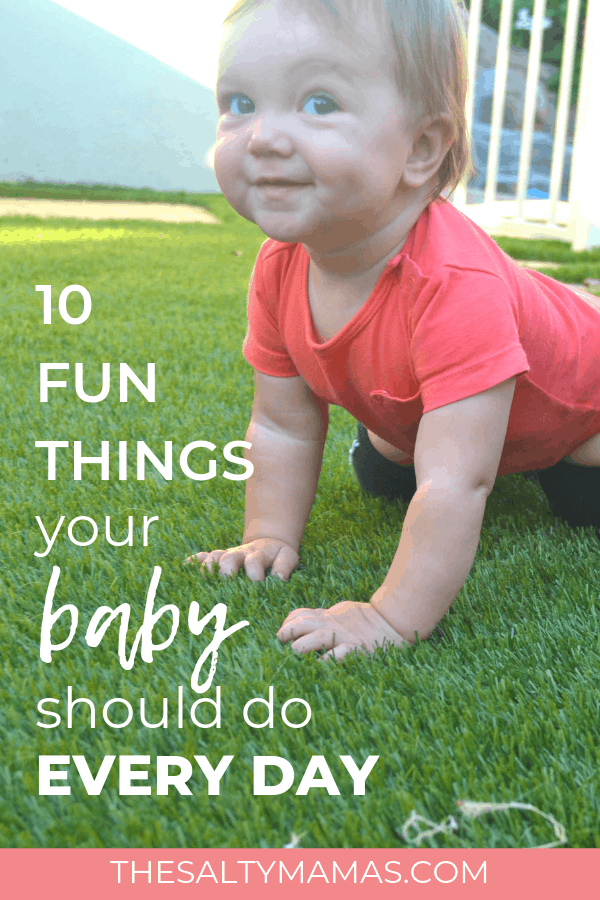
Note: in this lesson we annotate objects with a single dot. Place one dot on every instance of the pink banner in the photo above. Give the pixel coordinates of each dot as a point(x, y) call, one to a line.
point(102, 874)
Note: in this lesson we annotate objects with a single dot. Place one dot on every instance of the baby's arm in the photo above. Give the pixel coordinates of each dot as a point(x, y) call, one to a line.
point(287, 432)
point(457, 454)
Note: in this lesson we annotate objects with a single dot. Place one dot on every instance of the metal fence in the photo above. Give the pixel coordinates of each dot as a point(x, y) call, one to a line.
point(576, 219)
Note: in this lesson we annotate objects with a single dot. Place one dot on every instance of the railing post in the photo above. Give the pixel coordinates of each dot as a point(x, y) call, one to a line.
point(585, 182)
point(564, 105)
point(459, 198)
point(533, 77)
point(499, 101)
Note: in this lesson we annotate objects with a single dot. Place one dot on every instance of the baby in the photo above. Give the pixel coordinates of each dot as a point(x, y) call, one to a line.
point(341, 125)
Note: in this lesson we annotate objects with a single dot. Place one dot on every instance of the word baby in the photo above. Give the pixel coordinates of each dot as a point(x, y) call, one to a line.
point(105, 615)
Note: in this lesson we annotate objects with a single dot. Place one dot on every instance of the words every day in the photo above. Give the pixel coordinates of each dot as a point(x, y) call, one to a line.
point(175, 773)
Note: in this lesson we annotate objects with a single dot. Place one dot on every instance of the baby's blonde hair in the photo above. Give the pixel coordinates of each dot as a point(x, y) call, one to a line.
point(430, 40)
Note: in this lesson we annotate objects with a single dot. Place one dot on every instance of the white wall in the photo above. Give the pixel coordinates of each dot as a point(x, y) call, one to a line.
point(78, 104)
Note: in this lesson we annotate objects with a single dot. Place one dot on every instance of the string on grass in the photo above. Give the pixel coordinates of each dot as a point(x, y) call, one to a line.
point(473, 810)
point(469, 808)
point(294, 843)
point(415, 821)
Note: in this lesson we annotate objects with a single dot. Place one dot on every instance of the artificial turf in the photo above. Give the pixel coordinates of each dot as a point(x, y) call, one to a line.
point(501, 704)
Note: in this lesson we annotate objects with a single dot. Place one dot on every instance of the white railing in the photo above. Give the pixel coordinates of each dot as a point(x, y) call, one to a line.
point(578, 219)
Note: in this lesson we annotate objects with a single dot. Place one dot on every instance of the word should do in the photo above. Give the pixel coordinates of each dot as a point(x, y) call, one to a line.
point(316, 775)
point(110, 713)
point(127, 540)
point(143, 453)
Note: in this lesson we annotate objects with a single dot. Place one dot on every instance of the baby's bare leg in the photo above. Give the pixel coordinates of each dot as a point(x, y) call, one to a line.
point(381, 469)
point(589, 453)
point(388, 450)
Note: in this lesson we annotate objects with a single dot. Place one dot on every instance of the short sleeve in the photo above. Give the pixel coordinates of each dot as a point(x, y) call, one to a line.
point(263, 345)
point(465, 337)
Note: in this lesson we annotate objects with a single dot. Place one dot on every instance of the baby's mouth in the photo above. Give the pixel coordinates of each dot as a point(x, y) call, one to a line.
point(279, 183)
point(279, 190)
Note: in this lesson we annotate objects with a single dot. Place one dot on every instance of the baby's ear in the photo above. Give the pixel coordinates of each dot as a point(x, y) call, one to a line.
point(433, 138)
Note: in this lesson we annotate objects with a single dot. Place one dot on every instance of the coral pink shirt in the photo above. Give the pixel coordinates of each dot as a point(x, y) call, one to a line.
point(451, 315)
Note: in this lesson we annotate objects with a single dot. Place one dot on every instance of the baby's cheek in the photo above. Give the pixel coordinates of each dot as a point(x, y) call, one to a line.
point(227, 163)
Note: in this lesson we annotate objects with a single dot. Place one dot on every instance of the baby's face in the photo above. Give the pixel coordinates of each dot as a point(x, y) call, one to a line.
point(313, 135)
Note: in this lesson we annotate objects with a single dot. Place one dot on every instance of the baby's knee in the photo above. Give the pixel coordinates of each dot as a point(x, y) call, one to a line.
point(588, 454)
point(388, 450)
point(378, 475)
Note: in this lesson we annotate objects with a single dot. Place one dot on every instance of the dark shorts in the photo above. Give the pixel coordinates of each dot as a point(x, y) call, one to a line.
point(572, 490)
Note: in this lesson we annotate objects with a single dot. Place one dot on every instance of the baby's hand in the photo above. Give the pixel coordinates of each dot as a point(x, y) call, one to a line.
point(347, 627)
point(255, 556)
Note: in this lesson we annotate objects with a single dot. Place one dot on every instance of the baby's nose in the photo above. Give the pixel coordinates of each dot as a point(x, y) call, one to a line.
point(270, 135)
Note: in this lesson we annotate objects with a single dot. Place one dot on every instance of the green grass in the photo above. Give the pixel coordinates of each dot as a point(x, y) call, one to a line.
point(575, 266)
point(112, 192)
point(501, 704)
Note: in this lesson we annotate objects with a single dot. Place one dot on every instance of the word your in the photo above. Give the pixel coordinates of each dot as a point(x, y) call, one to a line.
point(165, 469)
point(125, 376)
point(105, 615)
point(317, 774)
point(128, 540)
point(204, 702)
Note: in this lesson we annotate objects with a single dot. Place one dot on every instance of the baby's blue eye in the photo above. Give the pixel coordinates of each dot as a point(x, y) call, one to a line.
point(240, 104)
point(320, 105)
